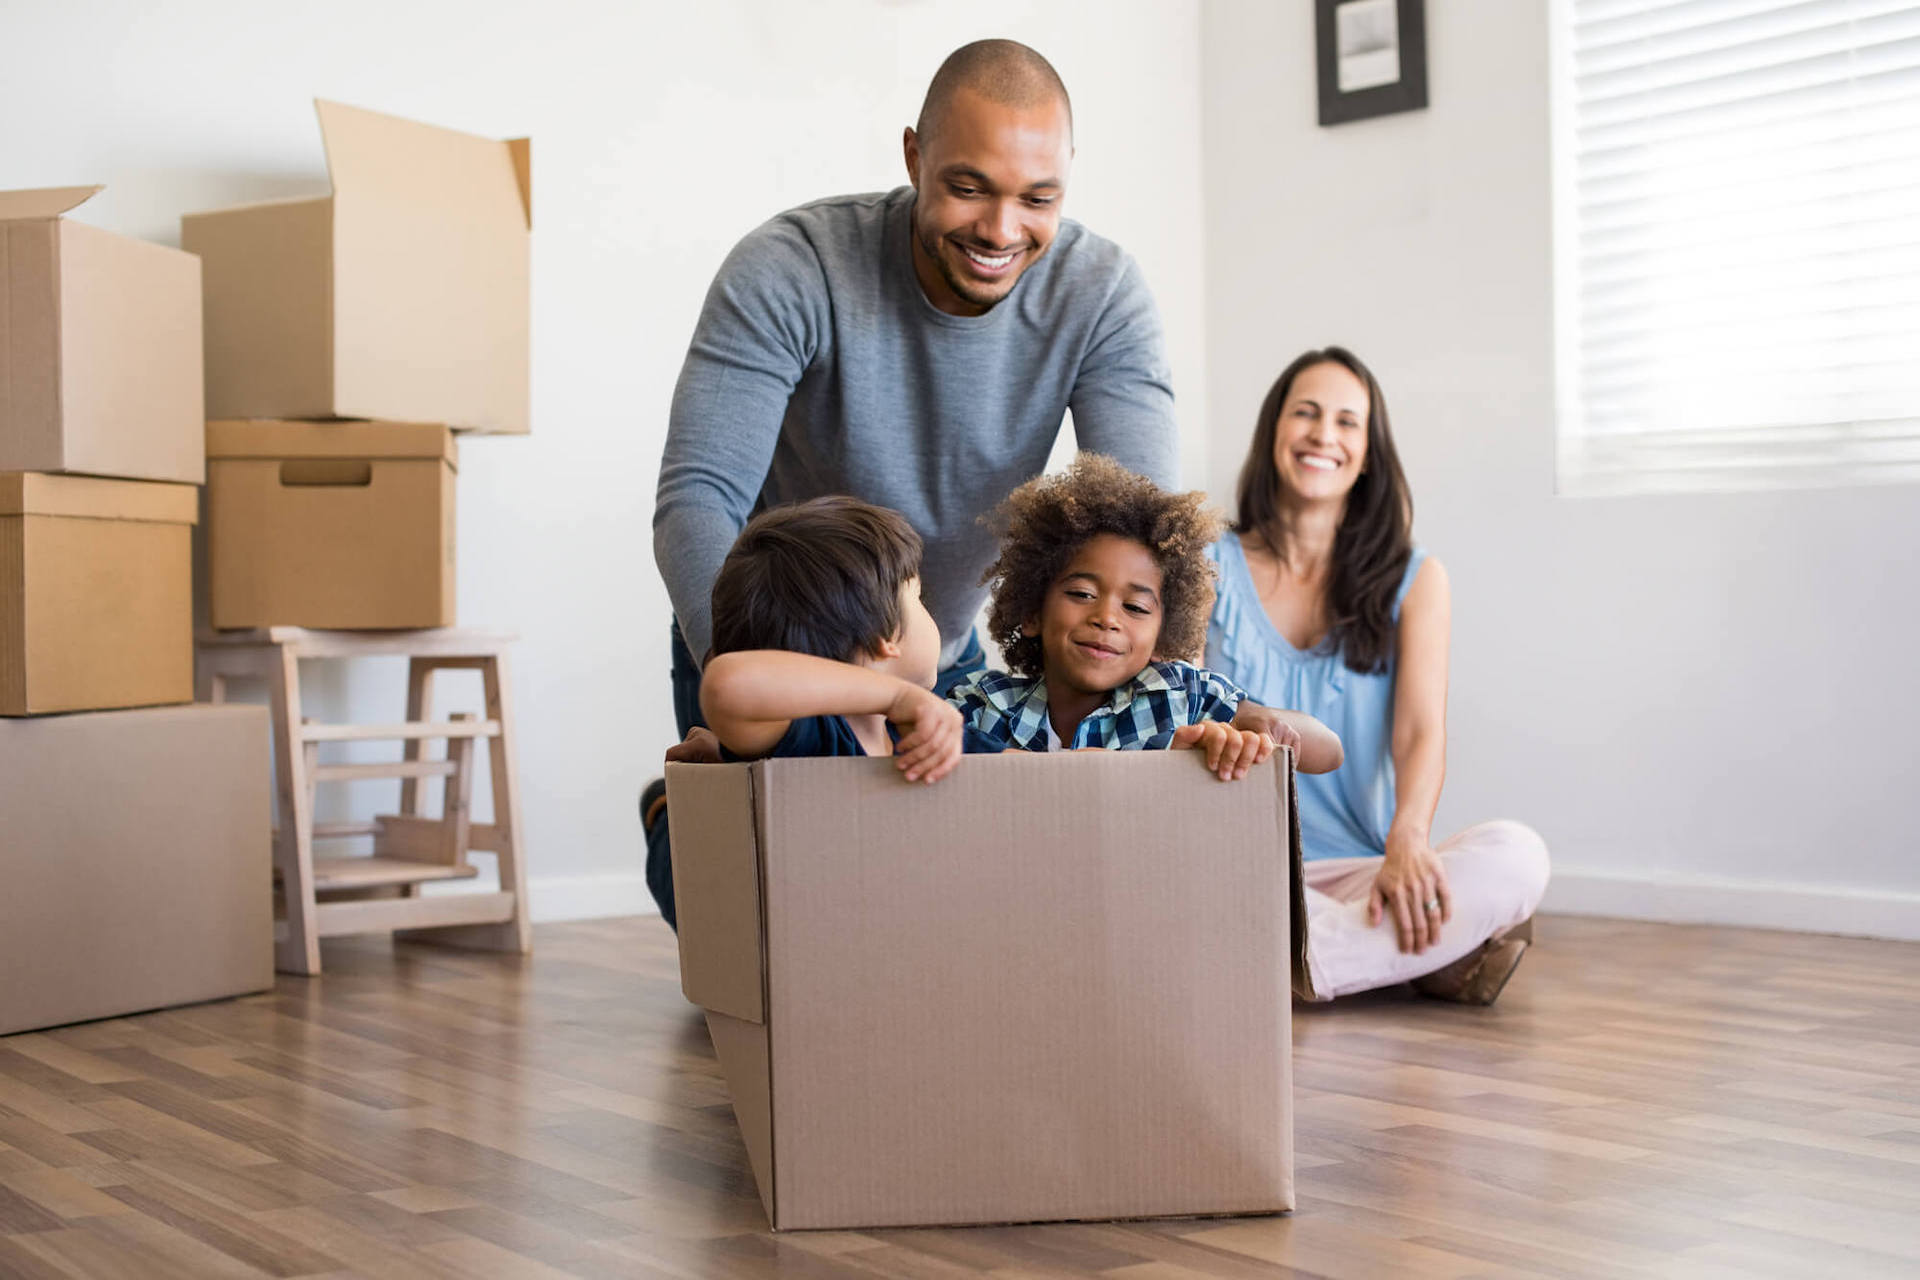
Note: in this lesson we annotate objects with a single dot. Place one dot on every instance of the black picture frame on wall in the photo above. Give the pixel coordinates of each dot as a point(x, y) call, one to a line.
point(1372, 57)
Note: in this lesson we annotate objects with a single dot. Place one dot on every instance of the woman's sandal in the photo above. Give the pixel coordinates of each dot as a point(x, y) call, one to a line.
point(1481, 975)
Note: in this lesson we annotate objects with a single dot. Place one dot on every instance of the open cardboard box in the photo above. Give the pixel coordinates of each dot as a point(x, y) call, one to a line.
point(1049, 987)
point(336, 525)
point(404, 294)
point(96, 597)
point(100, 370)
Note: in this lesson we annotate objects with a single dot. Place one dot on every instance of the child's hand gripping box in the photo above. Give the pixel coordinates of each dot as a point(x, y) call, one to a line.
point(1049, 987)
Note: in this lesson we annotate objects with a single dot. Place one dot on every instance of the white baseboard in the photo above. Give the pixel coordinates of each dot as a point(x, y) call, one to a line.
point(1574, 892)
point(589, 897)
point(1746, 904)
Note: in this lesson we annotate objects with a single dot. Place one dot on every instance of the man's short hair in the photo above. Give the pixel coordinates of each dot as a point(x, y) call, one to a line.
point(820, 577)
point(1003, 71)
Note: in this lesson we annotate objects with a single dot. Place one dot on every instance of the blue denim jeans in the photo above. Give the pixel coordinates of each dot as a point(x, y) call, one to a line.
point(686, 715)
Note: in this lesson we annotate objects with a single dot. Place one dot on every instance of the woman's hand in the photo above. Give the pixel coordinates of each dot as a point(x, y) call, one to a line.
point(1411, 890)
point(931, 739)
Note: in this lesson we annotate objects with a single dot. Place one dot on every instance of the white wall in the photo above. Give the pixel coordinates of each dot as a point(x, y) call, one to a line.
point(1705, 703)
point(662, 132)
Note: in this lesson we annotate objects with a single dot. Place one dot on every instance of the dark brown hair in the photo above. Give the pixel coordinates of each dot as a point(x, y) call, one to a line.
point(1046, 521)
point(1375, 538)
point(820, 577)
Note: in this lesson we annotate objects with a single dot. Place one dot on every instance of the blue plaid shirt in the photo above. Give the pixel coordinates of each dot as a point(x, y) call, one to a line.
point(1140, 714)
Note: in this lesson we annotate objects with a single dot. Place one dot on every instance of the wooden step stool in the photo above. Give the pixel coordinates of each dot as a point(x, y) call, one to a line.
point(327, 896)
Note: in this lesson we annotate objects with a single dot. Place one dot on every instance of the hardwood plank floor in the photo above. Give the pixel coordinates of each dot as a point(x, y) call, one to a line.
point(1646, 1100)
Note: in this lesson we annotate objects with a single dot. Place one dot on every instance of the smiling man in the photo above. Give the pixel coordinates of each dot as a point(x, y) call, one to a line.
point(917, 349)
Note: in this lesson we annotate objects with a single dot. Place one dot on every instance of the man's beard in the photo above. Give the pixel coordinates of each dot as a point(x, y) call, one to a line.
point(963, 288)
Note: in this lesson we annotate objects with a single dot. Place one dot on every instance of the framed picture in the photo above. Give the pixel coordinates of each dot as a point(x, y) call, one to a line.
point(1372, 57)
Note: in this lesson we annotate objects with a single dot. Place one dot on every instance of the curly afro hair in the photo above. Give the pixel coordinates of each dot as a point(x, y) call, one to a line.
point(1043, 524)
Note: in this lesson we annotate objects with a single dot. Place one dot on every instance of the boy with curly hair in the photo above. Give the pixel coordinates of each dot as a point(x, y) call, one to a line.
point(1101, 597)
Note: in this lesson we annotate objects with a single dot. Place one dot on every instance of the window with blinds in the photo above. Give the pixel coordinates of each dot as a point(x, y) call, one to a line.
point(1737, 243)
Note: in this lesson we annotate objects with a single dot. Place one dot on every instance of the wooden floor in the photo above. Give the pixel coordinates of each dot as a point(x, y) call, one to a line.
point(1644, 1101)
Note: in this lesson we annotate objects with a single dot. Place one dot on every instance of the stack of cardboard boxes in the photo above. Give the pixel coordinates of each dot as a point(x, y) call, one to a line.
point(133, 828)
point(348, 337)
point(308, 361)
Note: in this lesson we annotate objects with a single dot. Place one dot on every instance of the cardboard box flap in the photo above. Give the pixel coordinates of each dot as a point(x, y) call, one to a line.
point(1296, 880)
point(522, 150)
point(44, 202)
point(269, 438)
point(27, 493)
point(745, 1060)
point(715, 830)
point(376, 155)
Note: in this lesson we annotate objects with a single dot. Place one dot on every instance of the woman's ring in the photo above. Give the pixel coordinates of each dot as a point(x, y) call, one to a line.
point(1433, 906)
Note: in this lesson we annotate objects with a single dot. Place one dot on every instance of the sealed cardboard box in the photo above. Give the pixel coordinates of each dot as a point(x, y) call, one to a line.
point(138, 865)
point(100, 368)
point(96, 598)
point(402, 295)
point(345, 525)
point(1050, 987)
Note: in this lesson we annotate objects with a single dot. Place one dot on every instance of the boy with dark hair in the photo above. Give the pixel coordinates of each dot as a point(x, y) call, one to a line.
point(821, 647)
point(1101, 596)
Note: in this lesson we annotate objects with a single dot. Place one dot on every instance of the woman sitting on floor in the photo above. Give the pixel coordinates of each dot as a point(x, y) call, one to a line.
point(1325, 605)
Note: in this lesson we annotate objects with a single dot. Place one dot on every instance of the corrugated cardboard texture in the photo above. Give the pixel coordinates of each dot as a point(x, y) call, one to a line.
point(741, 1048)
point(29, 346)
point(100, 359)
point(293, 544)
point(404, 295)
point(431, 260)
point(90, 497)
point(137, 856)
point(252, 438)
point(13, 614)
point(267, 272)
point(1050, 987)
point(96, 607)
point(716, 887)
point(131, 385)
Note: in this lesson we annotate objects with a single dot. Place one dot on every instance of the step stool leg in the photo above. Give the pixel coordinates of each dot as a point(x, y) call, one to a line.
point(515, 934)
point(299, 950)
point(419, 708)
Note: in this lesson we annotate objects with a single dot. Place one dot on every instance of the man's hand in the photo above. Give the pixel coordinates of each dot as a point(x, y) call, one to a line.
point(1228, 752)
point(701, 747)
point(930, 734)
point(1251, 717)
point(1411, 888)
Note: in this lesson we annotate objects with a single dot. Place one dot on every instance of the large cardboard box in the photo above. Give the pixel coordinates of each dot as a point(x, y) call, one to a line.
point(1050, 987)
point(137, 860)
point(96, 597)
point(345, 525)
point(100, 369)
point(403, 294)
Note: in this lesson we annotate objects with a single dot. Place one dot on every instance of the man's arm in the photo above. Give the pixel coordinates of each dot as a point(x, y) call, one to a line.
point(1122, 399)
point(757, 332)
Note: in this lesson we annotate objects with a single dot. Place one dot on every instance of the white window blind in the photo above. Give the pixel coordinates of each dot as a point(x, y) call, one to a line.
point(1737, 212)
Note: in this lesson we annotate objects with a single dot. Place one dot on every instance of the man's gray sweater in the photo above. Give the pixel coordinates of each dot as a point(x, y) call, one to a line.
point(818, 366)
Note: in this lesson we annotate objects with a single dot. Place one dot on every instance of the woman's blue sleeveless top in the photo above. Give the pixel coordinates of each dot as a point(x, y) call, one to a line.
point(1346, 813)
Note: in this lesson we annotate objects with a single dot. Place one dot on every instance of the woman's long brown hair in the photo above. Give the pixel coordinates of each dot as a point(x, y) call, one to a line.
point(1375, 538)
